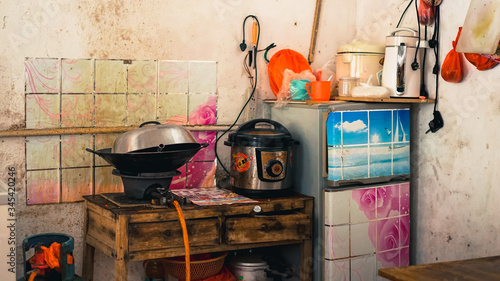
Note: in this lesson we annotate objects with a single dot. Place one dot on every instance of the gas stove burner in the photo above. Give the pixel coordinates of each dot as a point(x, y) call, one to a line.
point(146, 185)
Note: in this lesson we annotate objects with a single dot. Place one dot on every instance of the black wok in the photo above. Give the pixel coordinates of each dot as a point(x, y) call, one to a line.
point(151, 160)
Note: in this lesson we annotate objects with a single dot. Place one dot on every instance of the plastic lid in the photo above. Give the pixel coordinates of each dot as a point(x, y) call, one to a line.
point(361, 46)
point(248, 261)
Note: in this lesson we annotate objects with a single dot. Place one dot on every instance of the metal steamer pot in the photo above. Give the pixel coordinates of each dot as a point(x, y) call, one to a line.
point(261, 158)
point(151, 149)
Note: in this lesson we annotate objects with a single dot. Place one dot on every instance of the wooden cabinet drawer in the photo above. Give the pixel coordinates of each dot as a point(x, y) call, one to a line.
point(168, 234)
point(241, 230)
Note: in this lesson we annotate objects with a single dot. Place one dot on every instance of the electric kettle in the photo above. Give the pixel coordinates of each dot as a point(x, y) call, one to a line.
point(401, 71)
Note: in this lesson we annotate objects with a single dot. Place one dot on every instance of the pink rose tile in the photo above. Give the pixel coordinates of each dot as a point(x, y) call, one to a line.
point(173, 76)
point(202, 109)
point(201, 174)
point(42, 187)
point(388, 259)
point(337, 270)
point(77, 76)
point(388, 234)
point(404, 256)
point(336, 242)
point(110, 76)
point(207, 153)
point(360, 240)
point(404, 192)
point(140, 109)
point(106, 182)
point(110, 110)
point(363, 205)
point(42, 75)
point(363, 268)
point(404, 231)
point(142, 76)
point(77, 110)
point(73, 153)
point(179, 182)
point(336, 203)
point(203, 77)
point(387, 201)
point(42, 152)
point(75, 184)
point(43, 111)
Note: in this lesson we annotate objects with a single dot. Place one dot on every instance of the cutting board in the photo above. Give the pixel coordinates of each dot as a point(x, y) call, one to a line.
point(481, 29)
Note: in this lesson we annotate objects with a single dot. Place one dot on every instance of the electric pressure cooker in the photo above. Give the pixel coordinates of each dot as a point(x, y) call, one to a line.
point(261, 158)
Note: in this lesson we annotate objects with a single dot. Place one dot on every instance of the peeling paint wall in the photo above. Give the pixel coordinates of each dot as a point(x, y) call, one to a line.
point(455, 209)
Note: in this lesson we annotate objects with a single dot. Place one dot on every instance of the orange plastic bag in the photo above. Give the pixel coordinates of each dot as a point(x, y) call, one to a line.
point(282, 60)
point(452, 68)
point(481, 62)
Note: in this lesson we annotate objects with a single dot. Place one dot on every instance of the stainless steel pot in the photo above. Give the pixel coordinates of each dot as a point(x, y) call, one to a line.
point(148, 137)
point(261, 158)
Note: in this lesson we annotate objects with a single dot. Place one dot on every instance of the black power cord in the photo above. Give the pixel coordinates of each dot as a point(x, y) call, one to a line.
point(253, 83)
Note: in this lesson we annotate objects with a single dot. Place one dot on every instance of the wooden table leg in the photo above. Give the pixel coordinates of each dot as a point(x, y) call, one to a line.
point(306, 249)
point(121, 246)
point(88, 262)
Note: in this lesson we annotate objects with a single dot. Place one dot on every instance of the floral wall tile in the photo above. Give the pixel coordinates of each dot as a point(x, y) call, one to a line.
point(202, 109)
point(387, 234)
point(77, 110)
point(363, 268)
point(42, 187)
point(404, 231)
point(336, 206)
point(43, 111)
point(201, 174)
point(110, 110)
point(179, 182)
point(207, 153)
point(360, 239)
point(110, 76)
point(77, 76)
point(388, 259)
point(363, 205)
point(404, 256)
point(202, 77)
point(337, 270)
point(76, 183)
point(173, 107)
point(106, 182)
point(42, 75)
point(140, 108)
point(42, 152)
point(387, 201)
point(102, 141)
point(404, 194)
point(337, 242)
point(173, 76)
point(73, 153)
point(142, 76)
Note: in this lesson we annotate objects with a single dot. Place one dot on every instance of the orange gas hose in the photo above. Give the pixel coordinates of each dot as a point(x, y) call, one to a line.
point(32, 276)
point(186, 240)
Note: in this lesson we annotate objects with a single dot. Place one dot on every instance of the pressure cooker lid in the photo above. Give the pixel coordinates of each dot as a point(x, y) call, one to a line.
point(249, 135)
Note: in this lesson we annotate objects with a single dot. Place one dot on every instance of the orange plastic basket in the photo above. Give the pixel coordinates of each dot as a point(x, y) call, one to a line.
point(199, 269)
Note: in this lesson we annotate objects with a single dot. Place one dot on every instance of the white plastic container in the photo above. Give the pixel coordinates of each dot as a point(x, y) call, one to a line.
point(346, 84)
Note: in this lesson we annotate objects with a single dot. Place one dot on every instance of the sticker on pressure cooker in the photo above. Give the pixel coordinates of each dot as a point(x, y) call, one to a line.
point(241, 162)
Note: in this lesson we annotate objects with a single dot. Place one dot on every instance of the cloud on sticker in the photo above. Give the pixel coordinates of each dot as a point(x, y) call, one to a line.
point(357, 126)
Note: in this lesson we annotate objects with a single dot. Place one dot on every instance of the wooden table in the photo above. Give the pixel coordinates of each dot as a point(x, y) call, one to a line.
point(482, 269)
point(141, 233)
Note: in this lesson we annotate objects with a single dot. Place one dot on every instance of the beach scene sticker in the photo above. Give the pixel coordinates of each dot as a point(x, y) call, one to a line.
point(368, 143)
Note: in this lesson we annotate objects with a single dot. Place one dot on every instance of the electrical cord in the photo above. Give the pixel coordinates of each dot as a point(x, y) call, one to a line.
point(414, 65)
point(253, 84)
point(404, 12)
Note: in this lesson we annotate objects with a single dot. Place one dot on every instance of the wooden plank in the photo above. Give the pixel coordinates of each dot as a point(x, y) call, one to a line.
point(158, 235)
point(107, 250)
point(170, 214)
point(121, 246)
point(306, 248)
point(101, 228)
point(480, 269)
point(267, 228)
point(179, 251)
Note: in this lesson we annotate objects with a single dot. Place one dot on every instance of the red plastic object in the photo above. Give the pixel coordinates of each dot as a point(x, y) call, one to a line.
point(285, 59)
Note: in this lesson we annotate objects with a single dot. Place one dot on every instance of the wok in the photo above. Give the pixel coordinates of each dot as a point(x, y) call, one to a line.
point(150, 160)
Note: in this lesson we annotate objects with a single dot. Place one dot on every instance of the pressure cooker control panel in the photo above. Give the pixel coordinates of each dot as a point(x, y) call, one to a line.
point(271, 165)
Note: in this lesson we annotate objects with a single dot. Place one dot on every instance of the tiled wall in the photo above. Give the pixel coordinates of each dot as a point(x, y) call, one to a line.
point(366, 229)
point(62, 93)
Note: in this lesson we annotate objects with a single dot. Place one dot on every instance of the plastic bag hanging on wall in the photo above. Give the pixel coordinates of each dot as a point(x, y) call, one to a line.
point(425, 13)
point(452, 68)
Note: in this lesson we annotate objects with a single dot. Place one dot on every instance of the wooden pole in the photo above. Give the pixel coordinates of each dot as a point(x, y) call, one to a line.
point(314, 31)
